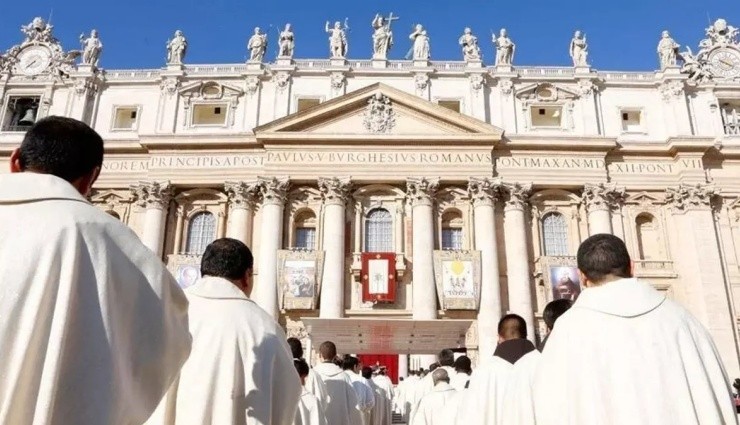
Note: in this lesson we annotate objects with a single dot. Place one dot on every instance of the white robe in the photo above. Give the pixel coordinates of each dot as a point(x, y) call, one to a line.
point(343, 406)
point(385, 383)
point(459, 381)
point(365, 396)
point(382, 414)
point(433, 405)
point(93, 329)
point(518, 405)
point(624, 354)
point(240, 371)
point(315, 385)
point(407, 395)
point(483, 402)
point(424, 387)
point(309, 412)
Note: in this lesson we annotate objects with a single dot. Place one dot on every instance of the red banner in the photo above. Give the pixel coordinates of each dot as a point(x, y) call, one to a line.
point(379, 277)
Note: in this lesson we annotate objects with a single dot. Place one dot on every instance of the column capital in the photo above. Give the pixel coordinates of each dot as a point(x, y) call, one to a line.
point(334, 190)
point(421, 191)
point(274, 190)
point(690, 197)
point(602, 196)
point(484, 191)
point(516, 195)
point(152, 195)
point(241, 194)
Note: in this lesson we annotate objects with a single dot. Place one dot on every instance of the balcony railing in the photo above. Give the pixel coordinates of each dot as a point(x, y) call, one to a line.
point(654, 268)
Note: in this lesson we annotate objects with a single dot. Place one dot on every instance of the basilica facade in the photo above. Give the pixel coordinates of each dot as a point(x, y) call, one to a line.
point(399, 205)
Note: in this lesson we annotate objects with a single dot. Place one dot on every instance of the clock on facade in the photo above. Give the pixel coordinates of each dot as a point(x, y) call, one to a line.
point(34, 60)
point(725, 63)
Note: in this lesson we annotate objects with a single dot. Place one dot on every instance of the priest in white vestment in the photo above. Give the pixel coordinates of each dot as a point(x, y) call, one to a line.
point(381, 378)
point(446, 361)
point(365, 393)
point(408, 394)
point(488, 383)
point(343, 407)
point(313, 383)
point(432, 407)
point(309, 412)
point(463, 370)
point(93, 328)
point(625, 354)
point(241, 370)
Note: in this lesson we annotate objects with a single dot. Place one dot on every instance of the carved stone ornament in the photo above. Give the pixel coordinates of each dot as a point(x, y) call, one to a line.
point(476, 81)
point(169, 86)
point(241, 194)
point(421, 191)
point(338, 80)
point(152, 195)
point(40, 56)
point(586, 87)
point(273, 190)
point(506, 87)
point(82, 86)
point(282, 79)
point(516, 195)
point(671, 90)
point(686, 197)
point(379, 116)
point(484, 191)
point(602, 196)
point(334, 191)
point(421, 81)
point(253, 84)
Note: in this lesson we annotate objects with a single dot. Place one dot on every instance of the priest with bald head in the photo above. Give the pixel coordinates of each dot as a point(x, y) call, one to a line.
point(435, 404)
point(343, 406)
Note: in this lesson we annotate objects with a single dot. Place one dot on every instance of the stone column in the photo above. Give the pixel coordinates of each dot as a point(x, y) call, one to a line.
point(241, 208)
point(699, 263)
point(334, 193)
point(599, 200)
point(517, 255)
point(483, 193)
point(155, 198)
point(274, 192)
point(403, 366)
point(420, 193)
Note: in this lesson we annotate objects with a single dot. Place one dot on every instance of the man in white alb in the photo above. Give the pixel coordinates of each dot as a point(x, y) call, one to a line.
point(343, 407)
point(313, 383)
point(433, 407)
point(365, 393)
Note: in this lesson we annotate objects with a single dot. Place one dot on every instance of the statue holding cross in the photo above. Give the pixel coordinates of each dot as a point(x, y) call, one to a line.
point(383, 36)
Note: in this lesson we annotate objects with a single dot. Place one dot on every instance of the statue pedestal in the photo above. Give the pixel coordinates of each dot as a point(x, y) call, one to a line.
point(254, 66)
point(84, 68)
point(504, 69)
point(671, 70)
point(284, 61)
point(380, 63)
point(583, 70)
point(175, 67)
point(338, 62)
point(474, 63)
point(421, 63)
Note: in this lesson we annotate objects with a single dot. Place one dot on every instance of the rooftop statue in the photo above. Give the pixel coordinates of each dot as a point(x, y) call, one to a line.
point(92, 47)
point(579, 50)
point(382, 35)
point(176, 49)
point(469, 44)
point(505, 48)
point(257, 46)
point(338, 45)
point(286, 42)
point(39, 31)
point(667, 50)
point(421, 50)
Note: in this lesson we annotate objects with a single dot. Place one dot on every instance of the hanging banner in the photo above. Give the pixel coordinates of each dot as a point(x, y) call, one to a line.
point(379, 277)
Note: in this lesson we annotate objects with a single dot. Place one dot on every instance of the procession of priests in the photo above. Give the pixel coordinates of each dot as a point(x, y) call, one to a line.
point(95, 330)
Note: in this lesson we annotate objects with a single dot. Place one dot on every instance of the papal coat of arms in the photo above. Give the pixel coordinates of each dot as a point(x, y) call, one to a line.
point(379, 116)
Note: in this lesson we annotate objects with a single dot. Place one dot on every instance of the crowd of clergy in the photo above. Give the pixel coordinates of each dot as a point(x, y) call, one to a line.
point(95, 330)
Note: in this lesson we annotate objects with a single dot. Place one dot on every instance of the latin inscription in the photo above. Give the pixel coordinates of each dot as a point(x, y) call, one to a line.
point(182, 162)
point(553, 162)
point(378, 158)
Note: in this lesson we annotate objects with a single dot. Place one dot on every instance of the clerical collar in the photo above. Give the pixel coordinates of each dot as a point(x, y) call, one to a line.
point(514, 349)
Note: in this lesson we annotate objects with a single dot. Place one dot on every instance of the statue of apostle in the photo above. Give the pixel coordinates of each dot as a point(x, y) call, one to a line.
point(176, 49)
point(92, 47)
point(338, 45)
point(469, 44)
point(505, 48)
point(257, 46)
point(579, 50)
point(383, 36)
point(286, 42)
point(667, 50)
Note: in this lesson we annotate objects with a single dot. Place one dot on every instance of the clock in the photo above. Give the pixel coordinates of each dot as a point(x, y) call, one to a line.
point(725, 63)
point(34, 60)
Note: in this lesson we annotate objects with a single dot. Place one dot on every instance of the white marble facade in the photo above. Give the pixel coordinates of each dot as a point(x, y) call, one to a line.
point(518, 162)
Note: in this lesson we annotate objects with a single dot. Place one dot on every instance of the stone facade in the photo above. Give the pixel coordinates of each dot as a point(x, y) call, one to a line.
point(526, 161)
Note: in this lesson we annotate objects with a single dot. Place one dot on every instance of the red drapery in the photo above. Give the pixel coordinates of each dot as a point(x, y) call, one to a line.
point(390, 361)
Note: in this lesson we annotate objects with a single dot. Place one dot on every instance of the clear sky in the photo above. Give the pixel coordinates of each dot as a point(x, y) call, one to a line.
point(622, 34)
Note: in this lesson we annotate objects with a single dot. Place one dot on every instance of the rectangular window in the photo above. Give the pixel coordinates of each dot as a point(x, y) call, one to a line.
point(21, 113)
point(307, 102)
point(213, 115)
point(546, 116)
point(453, 105)
point(452, 238)
point(631, 121)
point(731, 118)
point(126, 118)
point(305, 237)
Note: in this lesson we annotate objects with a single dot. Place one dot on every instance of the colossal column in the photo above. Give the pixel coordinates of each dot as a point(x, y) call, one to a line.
point(274, 192)
point(421, 192)
point(599, 199)
point(700, 265)
point(334, 193)
point(483, 193)
point(155, 198)
point(241, 207)
point(517, 255)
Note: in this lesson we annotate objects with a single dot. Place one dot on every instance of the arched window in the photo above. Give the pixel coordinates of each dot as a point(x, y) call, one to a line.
point(201, 232)
point(555, 234)
point(305, 230)
point(452, 230)
point(648, 237)
point(379, 231)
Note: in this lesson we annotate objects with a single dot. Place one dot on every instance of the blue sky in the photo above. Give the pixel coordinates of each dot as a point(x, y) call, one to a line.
point(622, 34)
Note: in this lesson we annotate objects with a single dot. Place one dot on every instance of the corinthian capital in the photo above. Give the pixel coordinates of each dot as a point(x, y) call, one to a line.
point(152, 195)
point(602, 196)
point(421, 191)
point(335, 191)
point(686, 197)
point(516, 195)
point(241, 194)
point(273, 190)
point(484, 191)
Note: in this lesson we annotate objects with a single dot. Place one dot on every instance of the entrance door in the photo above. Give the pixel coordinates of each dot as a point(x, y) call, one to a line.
point(390, 361)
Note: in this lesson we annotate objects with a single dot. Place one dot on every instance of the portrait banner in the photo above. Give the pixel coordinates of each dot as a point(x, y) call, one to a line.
point(299, 278)
point(378, 277)
point(457, 275)
point(561, 278)
point(185, 268)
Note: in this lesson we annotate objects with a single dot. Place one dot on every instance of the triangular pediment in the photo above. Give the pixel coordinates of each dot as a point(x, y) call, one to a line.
point(546, 92)
point(379, 112)
point(644, 198)
point(210, 90)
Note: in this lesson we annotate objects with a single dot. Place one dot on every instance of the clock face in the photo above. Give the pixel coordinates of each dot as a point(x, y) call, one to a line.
point(725, 63)
point(34, 60)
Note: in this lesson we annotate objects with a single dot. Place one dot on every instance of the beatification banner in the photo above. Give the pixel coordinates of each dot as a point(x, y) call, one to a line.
point(379, 277)
point(457, 275)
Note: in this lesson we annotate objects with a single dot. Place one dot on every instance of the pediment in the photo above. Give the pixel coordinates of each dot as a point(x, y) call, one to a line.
point(210, 90)
point(379, 112)
point(109, 197)
point(546, 92)
point(644, 198)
